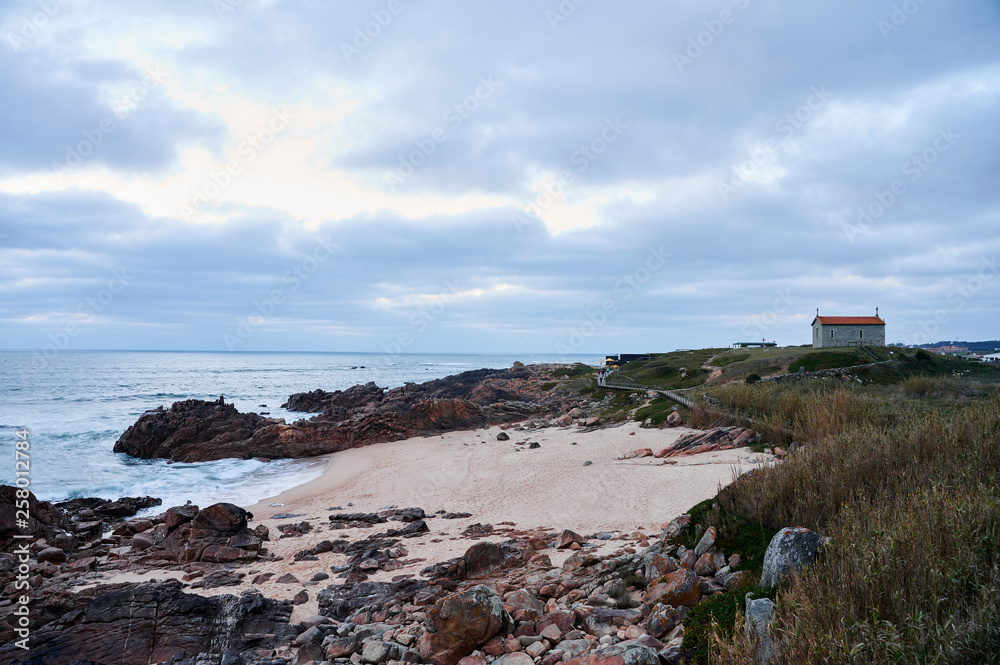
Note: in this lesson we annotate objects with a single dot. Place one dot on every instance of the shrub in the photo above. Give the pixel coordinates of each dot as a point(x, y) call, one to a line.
point(752, 378)
point(620, 593)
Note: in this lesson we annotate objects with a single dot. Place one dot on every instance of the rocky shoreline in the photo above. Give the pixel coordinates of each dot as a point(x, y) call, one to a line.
point(206, 586)
point(199, 431)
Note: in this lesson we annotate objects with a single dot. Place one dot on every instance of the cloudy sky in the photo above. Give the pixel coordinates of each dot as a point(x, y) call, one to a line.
point(516, 176)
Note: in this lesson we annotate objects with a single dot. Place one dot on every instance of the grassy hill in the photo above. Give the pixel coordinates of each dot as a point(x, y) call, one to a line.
point(899, 467)
point(682, 370)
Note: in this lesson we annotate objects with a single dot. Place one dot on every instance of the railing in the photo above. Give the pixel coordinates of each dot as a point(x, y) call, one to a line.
point(615, 381)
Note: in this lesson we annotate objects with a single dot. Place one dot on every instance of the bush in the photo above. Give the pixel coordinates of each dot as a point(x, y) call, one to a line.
point(751, 378)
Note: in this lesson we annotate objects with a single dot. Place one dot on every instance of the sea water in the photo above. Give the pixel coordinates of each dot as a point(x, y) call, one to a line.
point(76, 405)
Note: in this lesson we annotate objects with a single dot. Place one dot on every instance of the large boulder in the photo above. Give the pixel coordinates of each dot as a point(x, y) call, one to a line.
point(662, 619)
point(216, 534)
point(659, 565)
point(461, 623)
point(679, 588)
point(485, 558)
point(219, 520)
point(790, 549)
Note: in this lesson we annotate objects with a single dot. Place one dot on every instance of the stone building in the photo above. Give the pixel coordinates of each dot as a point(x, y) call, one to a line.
point(834, 331)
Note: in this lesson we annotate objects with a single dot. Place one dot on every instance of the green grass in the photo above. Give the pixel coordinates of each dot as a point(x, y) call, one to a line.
point(735, 533)
point(619, 407)
point(716, 615)
point(664, 370)
point(671, 371)
point(729, 359)
point(549, 385)
point(658, 410)
point(813, 362)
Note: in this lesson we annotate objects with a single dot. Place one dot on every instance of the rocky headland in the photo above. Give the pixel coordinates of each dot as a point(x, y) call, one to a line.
point(198, 430)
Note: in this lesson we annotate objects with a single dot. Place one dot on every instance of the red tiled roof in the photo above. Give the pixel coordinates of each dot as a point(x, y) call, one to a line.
point(850, 320)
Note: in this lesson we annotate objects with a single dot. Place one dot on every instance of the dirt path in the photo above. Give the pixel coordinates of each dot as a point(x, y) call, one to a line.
point(713, 372)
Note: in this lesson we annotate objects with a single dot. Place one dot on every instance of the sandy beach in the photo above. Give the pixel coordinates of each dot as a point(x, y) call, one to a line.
point(502, 483)
point(498, 481)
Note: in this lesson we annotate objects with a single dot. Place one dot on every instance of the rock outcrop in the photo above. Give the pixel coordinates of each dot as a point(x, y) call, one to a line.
point(347, 402)
point(195, 431)
point(216, 534)
point(65, 526)
point(719, 438)
point(198, 431)
point(130, 624)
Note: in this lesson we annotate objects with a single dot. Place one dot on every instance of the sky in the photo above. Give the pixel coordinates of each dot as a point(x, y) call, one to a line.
point(518, 176)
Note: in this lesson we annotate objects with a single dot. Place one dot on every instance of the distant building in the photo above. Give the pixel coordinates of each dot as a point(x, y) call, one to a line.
point(622, 358)
point(949, 350)
point(836, 331)
point(749, 345)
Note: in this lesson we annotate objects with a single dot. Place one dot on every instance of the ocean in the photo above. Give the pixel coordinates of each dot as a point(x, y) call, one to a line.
point(77, 403)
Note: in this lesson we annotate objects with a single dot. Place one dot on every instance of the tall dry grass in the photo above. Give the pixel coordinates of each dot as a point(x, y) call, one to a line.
point(803, 412)
point(912, 507)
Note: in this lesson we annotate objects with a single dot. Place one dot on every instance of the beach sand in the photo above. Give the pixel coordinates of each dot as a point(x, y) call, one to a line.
point(498, 482)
